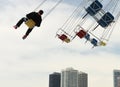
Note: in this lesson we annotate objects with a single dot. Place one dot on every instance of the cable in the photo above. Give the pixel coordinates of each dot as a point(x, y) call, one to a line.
point(40, 5)
point(108, 32)
point(52, 9)
point(70, 21)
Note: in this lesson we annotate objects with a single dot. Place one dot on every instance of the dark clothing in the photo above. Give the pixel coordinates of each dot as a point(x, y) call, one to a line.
point(21, 21)
point(28, 31)
point(35, 17)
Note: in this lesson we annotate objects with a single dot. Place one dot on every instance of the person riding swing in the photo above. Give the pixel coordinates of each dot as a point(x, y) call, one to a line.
point(31, 20)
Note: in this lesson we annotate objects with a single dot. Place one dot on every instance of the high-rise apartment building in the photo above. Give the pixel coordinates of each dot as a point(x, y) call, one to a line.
point(68, 78)
point(54, 79)
point(83, 79)
point(116, 78)
point(73, 78)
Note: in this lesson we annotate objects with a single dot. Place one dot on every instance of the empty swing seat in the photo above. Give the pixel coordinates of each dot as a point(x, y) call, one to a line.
point(94, 8)
point(102, 43)
point(81, 33)
point(87, 36)
point(30, 23)
point(94, 42)
point(63, 37)
point(106, 19)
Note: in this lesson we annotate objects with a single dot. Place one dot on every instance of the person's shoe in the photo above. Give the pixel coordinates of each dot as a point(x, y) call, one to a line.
point(24, 37)
point(15, 27)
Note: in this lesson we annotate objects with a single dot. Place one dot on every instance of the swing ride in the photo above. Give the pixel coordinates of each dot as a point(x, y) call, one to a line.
point(95, 21)
point(92, 20)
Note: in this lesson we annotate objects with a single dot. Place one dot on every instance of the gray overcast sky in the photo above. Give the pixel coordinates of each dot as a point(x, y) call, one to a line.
point(28, 63)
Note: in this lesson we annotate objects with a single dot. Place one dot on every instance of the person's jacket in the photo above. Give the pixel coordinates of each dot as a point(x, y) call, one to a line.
point(35, 17)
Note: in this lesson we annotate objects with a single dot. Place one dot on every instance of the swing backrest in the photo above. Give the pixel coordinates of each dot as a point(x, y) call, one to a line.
point(63, 37)
point(94, 8)
point(94, 42)
point(81, 33)
point(87, 36)
point(30, 23)
point(106, 19)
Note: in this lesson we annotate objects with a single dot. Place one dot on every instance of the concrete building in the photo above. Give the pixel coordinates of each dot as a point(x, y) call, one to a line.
point(54, 79)
point(116, 78)
point(73, 78)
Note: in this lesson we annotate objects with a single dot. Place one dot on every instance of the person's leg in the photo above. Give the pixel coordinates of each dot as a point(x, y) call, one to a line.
point(20, 22)
point(27, 33)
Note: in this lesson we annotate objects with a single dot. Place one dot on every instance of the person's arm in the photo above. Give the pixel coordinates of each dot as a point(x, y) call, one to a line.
point(38, 24)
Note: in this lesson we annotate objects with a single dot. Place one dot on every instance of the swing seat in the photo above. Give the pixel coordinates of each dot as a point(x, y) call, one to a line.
point(87, 36)
point(67, 40)
point(102, 43)
point(81, 33)
point(64, 38)
point(94, 8)
point(94, 42)
point(30, 23)
point(106, 20)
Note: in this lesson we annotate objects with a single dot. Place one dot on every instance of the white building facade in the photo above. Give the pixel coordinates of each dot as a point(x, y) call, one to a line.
point(73, 78)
